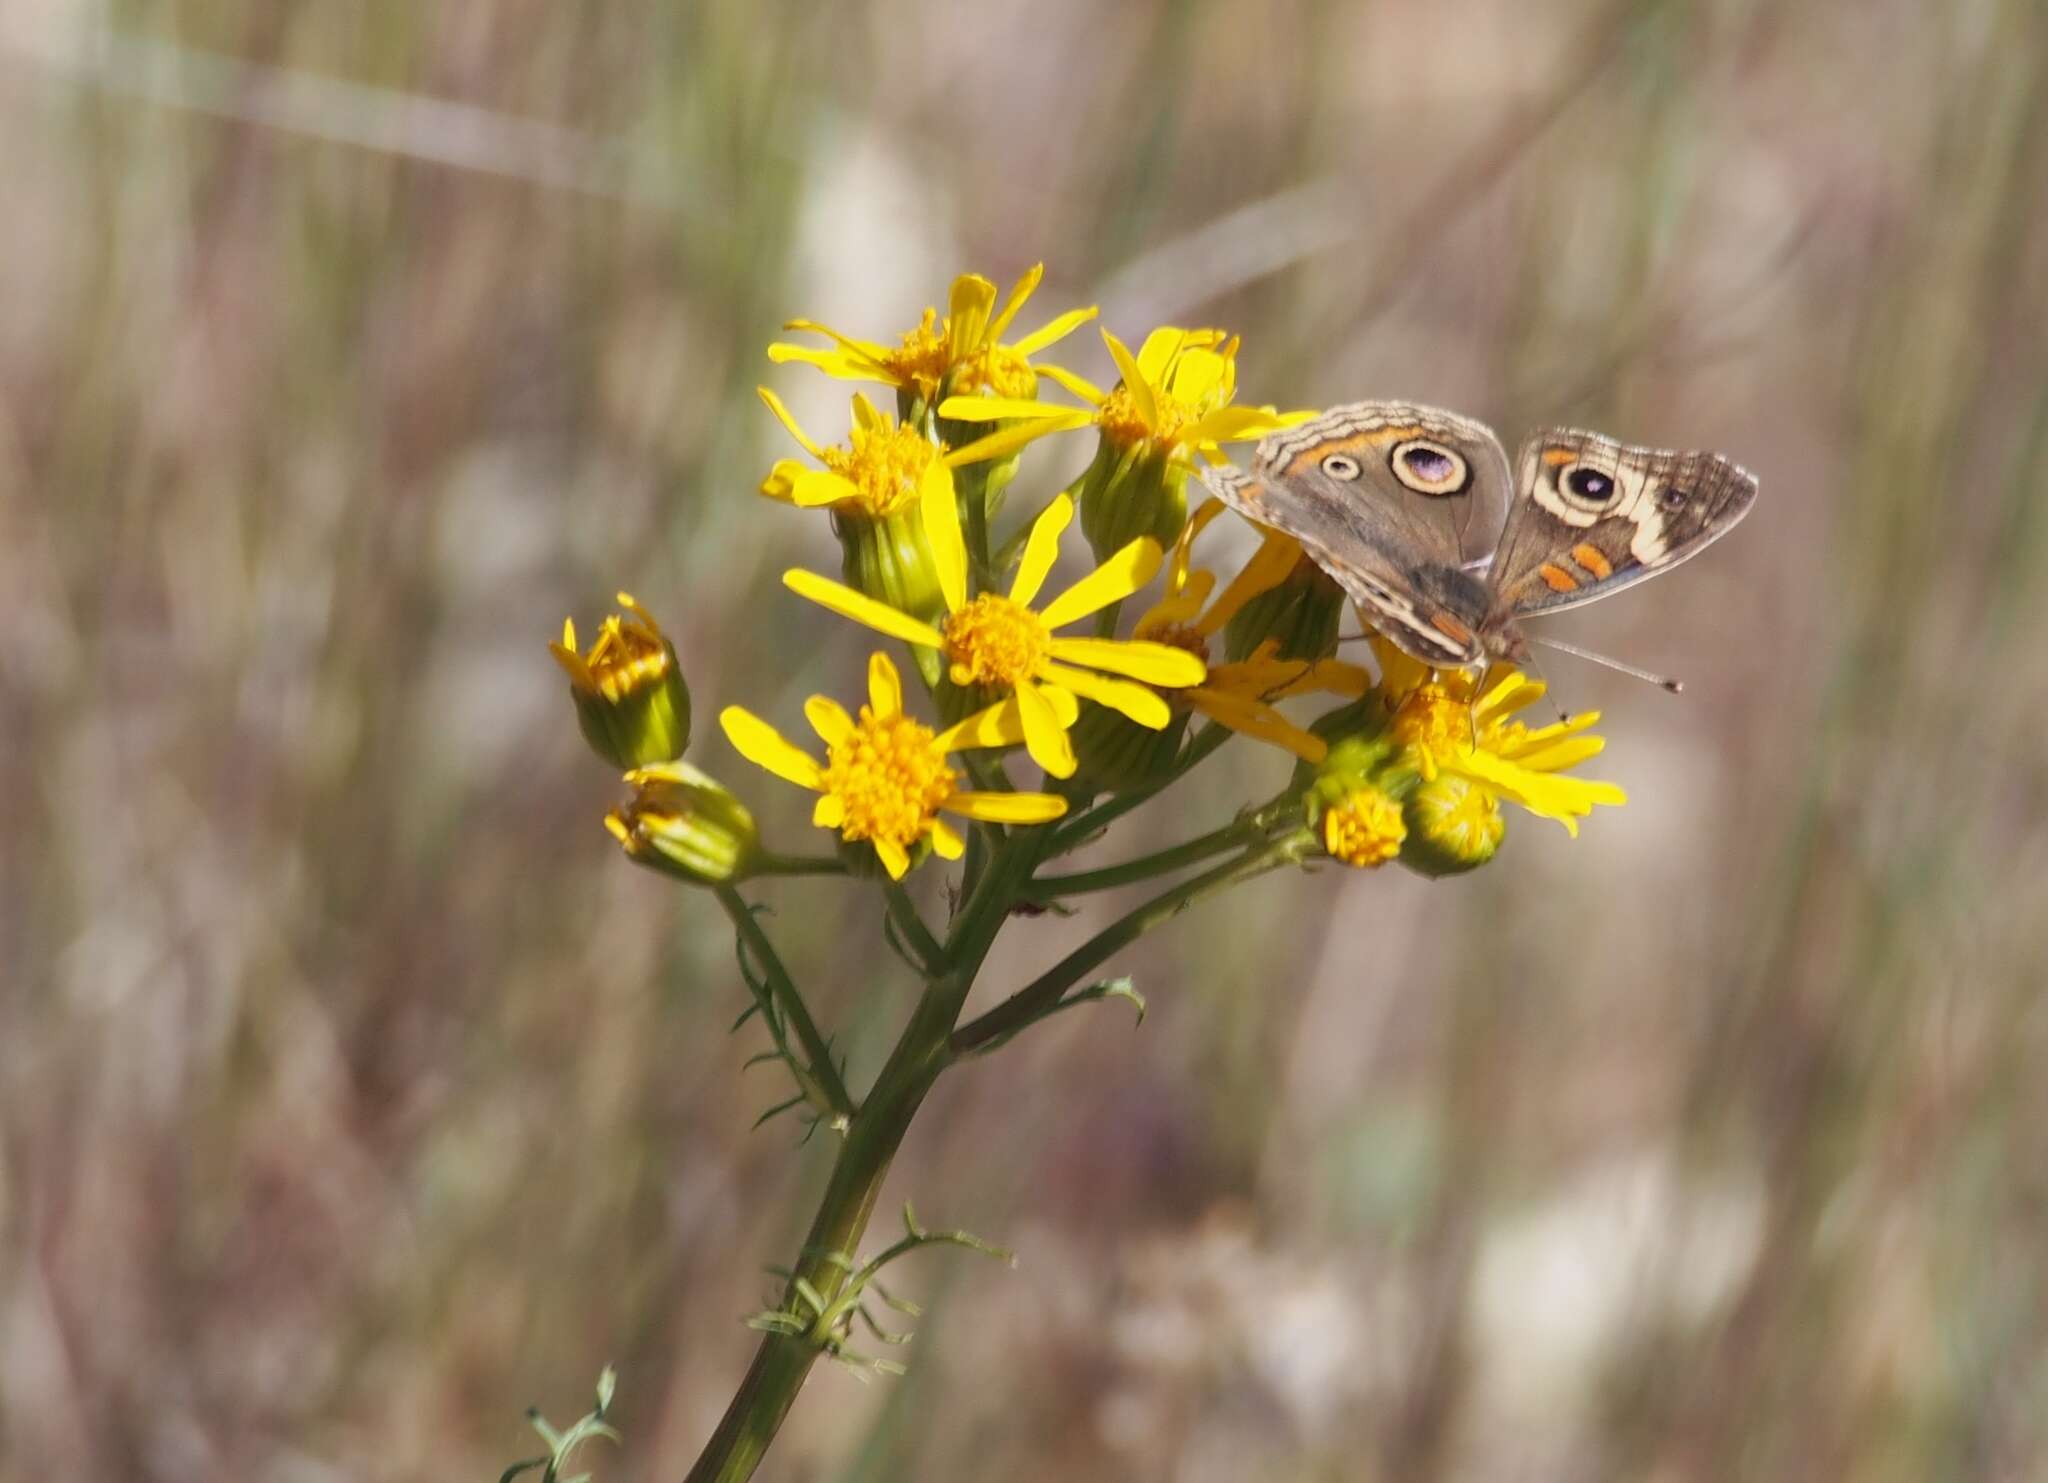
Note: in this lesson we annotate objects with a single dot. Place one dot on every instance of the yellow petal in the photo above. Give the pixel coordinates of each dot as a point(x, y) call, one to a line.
point(782, 414)
point(832, 362)
point(967, 313)
point(764, 746)
point(998, 408)
point(1199, 376)
point(1041, 550)
point(1054, 331)
point(1568, 752)
point(815, 488)
point(1116, 579)
point(828, 718)
point(863, 349)
point(1008, 440)
point(865, 417)
point(1080, 386)
point(1135, 701)
point(1255, 718)
point(1007, 808)
point(1155, 664)
point(942, 530)
point(1231, 425)
point(1044, 737)
point(894, 858)
point(997, 725)
point(1134, 380)
point(1025, 287)
point(781, 481)
point(946, 844)
point(885, 686)
point(861, 608)
point(1267, 569)
point(829, 812)
point(1156, 356)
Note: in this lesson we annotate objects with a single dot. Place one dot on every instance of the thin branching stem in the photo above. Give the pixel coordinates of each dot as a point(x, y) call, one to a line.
point(816, 1051)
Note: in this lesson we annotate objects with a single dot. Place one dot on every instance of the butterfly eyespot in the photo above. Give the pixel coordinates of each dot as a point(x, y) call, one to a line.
point(1429, 468)
point(1589, 485)
point(1671, 497)
point(1342, 466)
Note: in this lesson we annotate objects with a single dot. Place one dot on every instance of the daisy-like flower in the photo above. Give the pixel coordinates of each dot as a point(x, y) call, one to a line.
point(1240, 694)
point(885, 778)
point(1175, 395)
point(1000, 642)
point(874, 487)
point(962, 354)
point(630, 697)
point(1454, 724)
point(1171, 407)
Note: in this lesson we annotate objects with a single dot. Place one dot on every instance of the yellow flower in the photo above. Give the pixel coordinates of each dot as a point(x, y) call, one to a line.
point(1364, 828)
point(885, 467)
point(1457, 723)
point(630, 697)
point(885, 778)
point(1001, 642)
point(961, 354)
point(1174, 397)
point(1240, 694)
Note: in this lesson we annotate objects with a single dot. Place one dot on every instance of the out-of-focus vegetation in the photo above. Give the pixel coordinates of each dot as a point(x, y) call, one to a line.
point(356, 1093)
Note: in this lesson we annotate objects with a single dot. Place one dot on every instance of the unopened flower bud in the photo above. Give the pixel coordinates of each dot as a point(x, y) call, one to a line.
point(1303, 613)
point(1132, 490)
point(631, 701)
point(1453, 826)
point(685, 823)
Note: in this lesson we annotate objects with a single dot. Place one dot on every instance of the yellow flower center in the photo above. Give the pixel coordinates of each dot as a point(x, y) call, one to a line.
point(625, 659)
point(1460, 817)
point(889, 777)
point(1123, 421)
point(1437, 722)
point(924, 356)
point(993, 641)
point(1002, 371)
point(1364, 830)
point(885, 464)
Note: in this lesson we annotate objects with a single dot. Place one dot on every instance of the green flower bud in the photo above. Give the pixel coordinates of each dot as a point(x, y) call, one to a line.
point(1454, 825)
point(685, 823)
point(1132, 490)
point(888, 558)
point(1303, 613)
point(1116, 754)
point(631, 701)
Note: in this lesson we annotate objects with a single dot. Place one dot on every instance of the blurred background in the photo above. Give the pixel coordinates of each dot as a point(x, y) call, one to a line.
point(356, 1092)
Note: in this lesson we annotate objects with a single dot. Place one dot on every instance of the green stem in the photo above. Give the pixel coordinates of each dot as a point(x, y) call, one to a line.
point(819, 1054)
point(928, 1044)
point(781, 1363)
point(770, 863)
point(1144, 867)
point(918, 937)
point(1043, 994)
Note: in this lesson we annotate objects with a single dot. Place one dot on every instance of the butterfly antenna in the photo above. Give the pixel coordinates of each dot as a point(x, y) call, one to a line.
point(1563, 716)
point(1662, 682)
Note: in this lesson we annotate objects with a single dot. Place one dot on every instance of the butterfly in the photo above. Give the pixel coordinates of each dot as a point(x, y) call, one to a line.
point(1414, 511)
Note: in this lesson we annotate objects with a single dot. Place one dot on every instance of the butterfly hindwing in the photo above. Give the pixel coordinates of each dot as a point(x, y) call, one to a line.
point(1592, 516)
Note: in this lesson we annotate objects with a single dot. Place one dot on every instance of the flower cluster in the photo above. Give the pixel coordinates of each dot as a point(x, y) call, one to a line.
point(1023, 700)
point(1414, 764)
